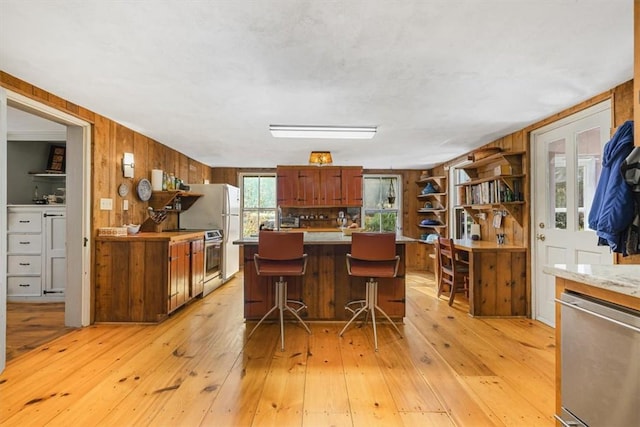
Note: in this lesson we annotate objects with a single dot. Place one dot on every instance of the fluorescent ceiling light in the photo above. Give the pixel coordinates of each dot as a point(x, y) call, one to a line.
point(333, 132)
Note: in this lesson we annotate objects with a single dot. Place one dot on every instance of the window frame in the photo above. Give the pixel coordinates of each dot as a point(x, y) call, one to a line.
point(398, 203)
point(243, 209)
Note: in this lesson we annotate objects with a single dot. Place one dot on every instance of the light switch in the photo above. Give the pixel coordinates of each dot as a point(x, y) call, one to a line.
point(106, 204)
point(125, 205)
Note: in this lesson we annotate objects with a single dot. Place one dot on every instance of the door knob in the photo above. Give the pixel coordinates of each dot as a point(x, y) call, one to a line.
point(540, 237)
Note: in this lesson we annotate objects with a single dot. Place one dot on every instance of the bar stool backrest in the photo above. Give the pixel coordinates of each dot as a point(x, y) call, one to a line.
point(373, 246)
point(280, 245)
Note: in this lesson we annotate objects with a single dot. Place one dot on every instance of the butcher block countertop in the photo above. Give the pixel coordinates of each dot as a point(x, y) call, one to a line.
point(172, 236)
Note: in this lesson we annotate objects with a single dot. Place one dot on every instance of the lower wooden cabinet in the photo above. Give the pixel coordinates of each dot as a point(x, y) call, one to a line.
point(145, 280)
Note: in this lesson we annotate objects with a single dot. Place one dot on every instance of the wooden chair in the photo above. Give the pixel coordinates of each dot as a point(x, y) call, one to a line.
point(281, 254)
point(453, 274)
point(373, 255)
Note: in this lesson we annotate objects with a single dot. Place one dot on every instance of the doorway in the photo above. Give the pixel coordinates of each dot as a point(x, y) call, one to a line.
point(567, 159)
point(78, 209)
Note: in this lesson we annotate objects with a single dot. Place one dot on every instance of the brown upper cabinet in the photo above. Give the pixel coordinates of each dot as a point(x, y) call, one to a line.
point(302, 186)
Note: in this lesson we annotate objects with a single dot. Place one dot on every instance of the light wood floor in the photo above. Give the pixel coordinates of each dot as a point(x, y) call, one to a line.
point(30, 325)
point(198, 369)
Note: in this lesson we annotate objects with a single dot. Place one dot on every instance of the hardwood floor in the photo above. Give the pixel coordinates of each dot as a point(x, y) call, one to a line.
point(30, 325)
point(198, 369)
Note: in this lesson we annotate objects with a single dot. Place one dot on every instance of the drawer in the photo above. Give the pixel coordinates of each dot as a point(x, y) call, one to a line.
point(24, 264)
point(29, 222)
point(24, 243)
point(24, 286)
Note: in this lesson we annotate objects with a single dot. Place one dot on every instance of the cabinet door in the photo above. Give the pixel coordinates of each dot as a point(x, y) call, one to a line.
point(352, 187)
point(330, 187)
point(287, 187)
point(55, 252)
point(178, 274)
point(197, 268)
point(309, 187)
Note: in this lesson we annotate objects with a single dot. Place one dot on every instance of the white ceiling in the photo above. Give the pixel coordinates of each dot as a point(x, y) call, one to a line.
point(438, 77)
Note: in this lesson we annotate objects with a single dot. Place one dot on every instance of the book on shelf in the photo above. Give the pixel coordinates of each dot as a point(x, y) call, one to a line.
point(492, 192)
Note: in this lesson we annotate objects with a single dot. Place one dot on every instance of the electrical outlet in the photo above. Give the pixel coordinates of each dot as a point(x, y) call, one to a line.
point(106, 204)
point(125, 205)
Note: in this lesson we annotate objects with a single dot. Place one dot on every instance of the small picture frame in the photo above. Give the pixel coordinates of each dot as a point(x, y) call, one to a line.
point(56, 162)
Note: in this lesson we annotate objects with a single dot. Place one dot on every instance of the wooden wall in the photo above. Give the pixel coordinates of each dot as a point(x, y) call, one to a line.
point(622, 100)
point(109, 141)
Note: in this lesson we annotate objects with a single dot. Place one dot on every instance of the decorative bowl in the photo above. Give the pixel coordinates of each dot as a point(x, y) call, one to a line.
point(132, 228)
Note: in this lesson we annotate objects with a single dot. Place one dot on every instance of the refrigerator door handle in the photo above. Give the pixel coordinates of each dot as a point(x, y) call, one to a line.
point(227, 214)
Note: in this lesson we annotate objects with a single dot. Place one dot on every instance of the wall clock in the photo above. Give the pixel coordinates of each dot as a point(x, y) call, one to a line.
point(123, 190)
point(144, 189)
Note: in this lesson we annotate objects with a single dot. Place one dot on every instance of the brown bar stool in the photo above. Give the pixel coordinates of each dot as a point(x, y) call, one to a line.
point(281, 254)
point(454, 272)
point(373, 255)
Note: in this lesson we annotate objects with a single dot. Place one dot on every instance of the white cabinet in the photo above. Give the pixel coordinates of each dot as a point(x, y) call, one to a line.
point(36, 252)
point(55, 251)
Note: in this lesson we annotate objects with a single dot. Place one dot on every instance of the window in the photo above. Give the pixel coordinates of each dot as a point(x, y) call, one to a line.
point(460, 219)
point(258, 201)
point(381, 201)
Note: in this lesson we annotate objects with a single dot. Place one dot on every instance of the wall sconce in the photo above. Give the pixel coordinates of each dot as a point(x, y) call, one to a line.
point(127, 165)
point(320, 158)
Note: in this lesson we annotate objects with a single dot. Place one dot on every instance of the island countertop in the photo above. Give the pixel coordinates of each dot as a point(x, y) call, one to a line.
point(321, 238)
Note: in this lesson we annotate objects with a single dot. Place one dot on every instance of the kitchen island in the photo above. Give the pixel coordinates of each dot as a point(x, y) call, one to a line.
point(614, 284)
point(326, 287)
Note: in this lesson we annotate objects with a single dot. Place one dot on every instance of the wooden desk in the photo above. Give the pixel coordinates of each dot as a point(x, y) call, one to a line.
point(497, 278)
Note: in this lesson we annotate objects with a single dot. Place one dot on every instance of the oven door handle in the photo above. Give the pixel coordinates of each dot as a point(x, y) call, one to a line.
point(598, 315)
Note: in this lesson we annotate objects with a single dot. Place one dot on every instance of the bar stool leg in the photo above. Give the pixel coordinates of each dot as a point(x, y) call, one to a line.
point(377, 307)
point(372, 291)
point(281, 306)
point(280, 296)
point(371, 305)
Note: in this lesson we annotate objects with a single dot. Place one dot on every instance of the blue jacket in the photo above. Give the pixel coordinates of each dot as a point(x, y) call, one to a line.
point(612, 210)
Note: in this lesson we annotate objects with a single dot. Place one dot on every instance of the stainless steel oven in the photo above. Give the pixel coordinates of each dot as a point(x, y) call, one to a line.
point(212, 260)
point(600, 350)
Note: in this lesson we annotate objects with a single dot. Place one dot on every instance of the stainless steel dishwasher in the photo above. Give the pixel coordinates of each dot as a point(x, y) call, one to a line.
point(600, 350)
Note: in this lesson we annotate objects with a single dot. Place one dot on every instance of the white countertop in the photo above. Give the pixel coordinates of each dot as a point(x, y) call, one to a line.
point(620, 278)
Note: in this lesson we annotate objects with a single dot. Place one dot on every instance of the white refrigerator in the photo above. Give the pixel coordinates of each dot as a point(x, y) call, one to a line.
point(218, 208)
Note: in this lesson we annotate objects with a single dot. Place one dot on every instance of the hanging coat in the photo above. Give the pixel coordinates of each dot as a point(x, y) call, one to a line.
point(631, 173)
point(612, 210)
